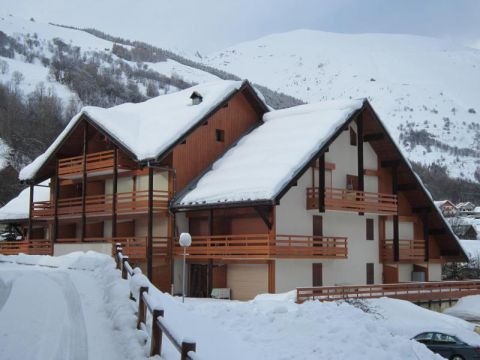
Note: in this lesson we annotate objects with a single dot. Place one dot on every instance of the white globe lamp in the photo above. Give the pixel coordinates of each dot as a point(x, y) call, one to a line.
point(184, 241)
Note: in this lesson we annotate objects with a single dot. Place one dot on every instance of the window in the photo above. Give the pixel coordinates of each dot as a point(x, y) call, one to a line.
point(220, 135)
point(370, 274)
point(183, 142)
point(424, 338)
point(370, 235)
point(353, 137)
point(440, 338)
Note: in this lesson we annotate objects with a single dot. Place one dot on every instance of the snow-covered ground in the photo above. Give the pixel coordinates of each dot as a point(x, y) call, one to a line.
point(77, 307)
point(66, 308)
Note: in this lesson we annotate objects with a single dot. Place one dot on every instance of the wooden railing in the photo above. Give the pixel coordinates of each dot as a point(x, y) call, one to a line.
point(128, 202)
point(264, 246)
point(102, 161)
point(353, 200)
point(159, 326)
point(136, 247)
point(414, 291)
point(410, 250)
point(30, 247)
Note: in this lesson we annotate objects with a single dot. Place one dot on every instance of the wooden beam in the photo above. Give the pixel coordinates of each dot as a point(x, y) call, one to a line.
point(150, 225)
point(360, 167)
point(30, 210)
point(373, 137)
point(390, 163)
point(437, 231)
point(56, 192)
point(396, 236)
point(426, 236)
point(321, 183)
point(114, 192)
point(421, 210)
point(260, 211)
point(407, 187)
point(84, 181)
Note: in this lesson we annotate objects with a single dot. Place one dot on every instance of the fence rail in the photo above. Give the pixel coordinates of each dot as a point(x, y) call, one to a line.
point(354, 200)
point(102, 161)
point(410, 250)
point(159, 326)
point(414, 291)
point(31, 247)
point(265, 246)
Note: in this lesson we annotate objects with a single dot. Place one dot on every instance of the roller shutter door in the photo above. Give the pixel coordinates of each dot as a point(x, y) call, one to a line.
point(247, 280)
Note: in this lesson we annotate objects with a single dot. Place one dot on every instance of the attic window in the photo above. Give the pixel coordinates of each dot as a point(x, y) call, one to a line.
point(353, 137)
point(220, 135)
point(183, 142)
point(196, 98)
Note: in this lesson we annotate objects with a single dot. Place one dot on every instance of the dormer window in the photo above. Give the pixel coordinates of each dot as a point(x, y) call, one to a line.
point(196, 98)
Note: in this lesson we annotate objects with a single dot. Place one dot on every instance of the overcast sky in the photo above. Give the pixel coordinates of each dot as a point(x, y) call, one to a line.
point(210, 25)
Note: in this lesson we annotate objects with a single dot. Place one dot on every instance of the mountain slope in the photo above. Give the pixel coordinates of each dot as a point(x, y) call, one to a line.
point(425, 89)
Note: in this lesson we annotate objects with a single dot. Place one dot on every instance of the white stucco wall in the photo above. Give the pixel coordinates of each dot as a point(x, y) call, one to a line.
point(405, 272)
point(435, 272)
point(293, 218)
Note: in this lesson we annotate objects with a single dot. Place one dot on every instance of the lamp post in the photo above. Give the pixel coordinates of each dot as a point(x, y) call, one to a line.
point(185, 241)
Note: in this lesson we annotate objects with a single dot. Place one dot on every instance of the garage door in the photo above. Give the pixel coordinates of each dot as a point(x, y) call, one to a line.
point(247, 281)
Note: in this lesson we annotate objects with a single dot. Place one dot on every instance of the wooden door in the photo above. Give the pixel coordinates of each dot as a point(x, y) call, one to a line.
point(317, 274)
point(390, 274)
point(198, 280)
point(370, 274)
point(317, 225)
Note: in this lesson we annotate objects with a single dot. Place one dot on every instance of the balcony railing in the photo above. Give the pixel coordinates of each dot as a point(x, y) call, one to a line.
point(127, 203)
point(409, 250)
point(353, 200)
point(265, 246)
point(101, 162)
point(413, 291)
point(31, 247)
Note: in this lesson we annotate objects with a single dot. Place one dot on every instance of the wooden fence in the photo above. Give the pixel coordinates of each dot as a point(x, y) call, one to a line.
point(159, 327)
point(30, 247)
point(413, 291)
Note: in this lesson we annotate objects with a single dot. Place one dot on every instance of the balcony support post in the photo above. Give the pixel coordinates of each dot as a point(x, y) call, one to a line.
point(84, 181)
point(210, 261)
point(56, 193)
point(321, 183)
point(361, 182)
point(30, 210)
point(426, 236)
point(396, 236)
point(150, 225)
point(114, 192)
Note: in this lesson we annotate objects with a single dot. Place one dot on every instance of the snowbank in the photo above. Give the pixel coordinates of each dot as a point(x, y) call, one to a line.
point(467, 308)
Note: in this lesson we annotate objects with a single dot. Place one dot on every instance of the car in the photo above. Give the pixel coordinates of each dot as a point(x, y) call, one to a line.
point(448, 346)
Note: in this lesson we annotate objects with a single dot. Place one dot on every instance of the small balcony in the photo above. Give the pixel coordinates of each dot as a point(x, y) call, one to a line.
point(265, 246)
point(97, 205)
point(410, 251)
point(99, 163)
point(354, 200)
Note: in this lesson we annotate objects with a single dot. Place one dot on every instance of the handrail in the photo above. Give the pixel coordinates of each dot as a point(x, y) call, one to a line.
point(354, 200)
point(159, 326)
point(262, 246)
point(99, 161)
point(412, 291)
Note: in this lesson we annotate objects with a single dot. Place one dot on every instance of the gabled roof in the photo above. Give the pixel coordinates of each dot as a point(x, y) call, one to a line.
point(259, 166)
point(440, 203)
point(146, 130)
point(17, 208)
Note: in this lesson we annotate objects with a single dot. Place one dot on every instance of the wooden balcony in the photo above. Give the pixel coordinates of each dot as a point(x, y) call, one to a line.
point(30, 247)
point(413, 291)
point(411, 251)
point(355, 201)
point(96, 205)
point(265, 246)
point(98, 163)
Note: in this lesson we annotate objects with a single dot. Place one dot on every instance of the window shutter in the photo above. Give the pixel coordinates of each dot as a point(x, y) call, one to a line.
point(370, 224)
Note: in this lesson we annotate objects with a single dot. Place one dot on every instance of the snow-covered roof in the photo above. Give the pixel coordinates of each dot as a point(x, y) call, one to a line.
point(17, 208)
point(149, 128)
point(265, 160)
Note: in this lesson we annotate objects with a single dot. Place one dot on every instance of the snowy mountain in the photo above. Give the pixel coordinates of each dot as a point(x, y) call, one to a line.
point(425, 89)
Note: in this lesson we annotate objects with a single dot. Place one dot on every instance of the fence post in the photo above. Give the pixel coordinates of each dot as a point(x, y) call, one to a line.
point(124, 269)
point(141, 306)
point(156, 337)
point(186, 347)
point(118, 249)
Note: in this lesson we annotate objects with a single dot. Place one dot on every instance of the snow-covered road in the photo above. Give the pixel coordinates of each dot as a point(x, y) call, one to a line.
point(56, 313)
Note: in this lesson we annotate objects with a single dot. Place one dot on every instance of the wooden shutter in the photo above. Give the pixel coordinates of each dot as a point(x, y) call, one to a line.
point(317, 274)
point(370, 224)
point(317, 225)
point(370, 274)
